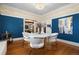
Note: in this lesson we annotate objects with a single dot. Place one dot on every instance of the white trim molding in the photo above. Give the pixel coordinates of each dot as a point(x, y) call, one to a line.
point(69, 42)
point(21, 38)
point(15, 39)
point(61, 40)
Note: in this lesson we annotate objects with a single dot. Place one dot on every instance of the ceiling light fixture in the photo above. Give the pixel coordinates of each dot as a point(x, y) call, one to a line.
point(40, 6)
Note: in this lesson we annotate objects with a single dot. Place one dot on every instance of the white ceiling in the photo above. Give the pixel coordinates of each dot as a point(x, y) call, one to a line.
point(30, 7)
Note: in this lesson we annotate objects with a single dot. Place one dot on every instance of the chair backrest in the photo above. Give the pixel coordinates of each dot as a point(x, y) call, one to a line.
point(25, 34)
point(54, 35)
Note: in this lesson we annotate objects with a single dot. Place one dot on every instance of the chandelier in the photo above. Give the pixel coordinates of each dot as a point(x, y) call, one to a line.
point(40, 6)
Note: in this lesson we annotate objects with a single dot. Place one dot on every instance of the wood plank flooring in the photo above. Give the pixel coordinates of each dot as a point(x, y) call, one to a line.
point(22, 48)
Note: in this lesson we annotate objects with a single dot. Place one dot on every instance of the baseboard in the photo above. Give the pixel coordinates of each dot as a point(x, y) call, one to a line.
point(61, 40)
point(69, 42)
point(15, 39)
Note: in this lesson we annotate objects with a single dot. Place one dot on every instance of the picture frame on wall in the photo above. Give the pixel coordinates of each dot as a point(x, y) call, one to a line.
point(65, 25)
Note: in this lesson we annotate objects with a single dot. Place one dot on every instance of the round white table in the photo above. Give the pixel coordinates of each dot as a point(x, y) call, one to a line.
point(36, 40)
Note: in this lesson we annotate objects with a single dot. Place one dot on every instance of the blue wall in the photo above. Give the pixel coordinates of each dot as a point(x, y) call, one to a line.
point(13, 25)
point(70, 37)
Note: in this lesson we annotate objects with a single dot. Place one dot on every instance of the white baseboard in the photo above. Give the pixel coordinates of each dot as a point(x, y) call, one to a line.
point(69, 42)
point(15, 39)
point(61, 40)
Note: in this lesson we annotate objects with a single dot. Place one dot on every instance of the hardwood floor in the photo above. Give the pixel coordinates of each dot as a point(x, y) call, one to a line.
point(22, 48)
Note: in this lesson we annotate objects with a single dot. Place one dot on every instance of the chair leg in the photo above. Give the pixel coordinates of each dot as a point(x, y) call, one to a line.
point(55, 45)
point(23, 42)
point(51, 45)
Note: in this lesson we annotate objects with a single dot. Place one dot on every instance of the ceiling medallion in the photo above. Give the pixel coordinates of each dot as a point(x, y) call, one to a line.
point(40, 6)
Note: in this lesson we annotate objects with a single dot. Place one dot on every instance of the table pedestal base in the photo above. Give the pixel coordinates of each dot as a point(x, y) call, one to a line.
point(37, 45)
